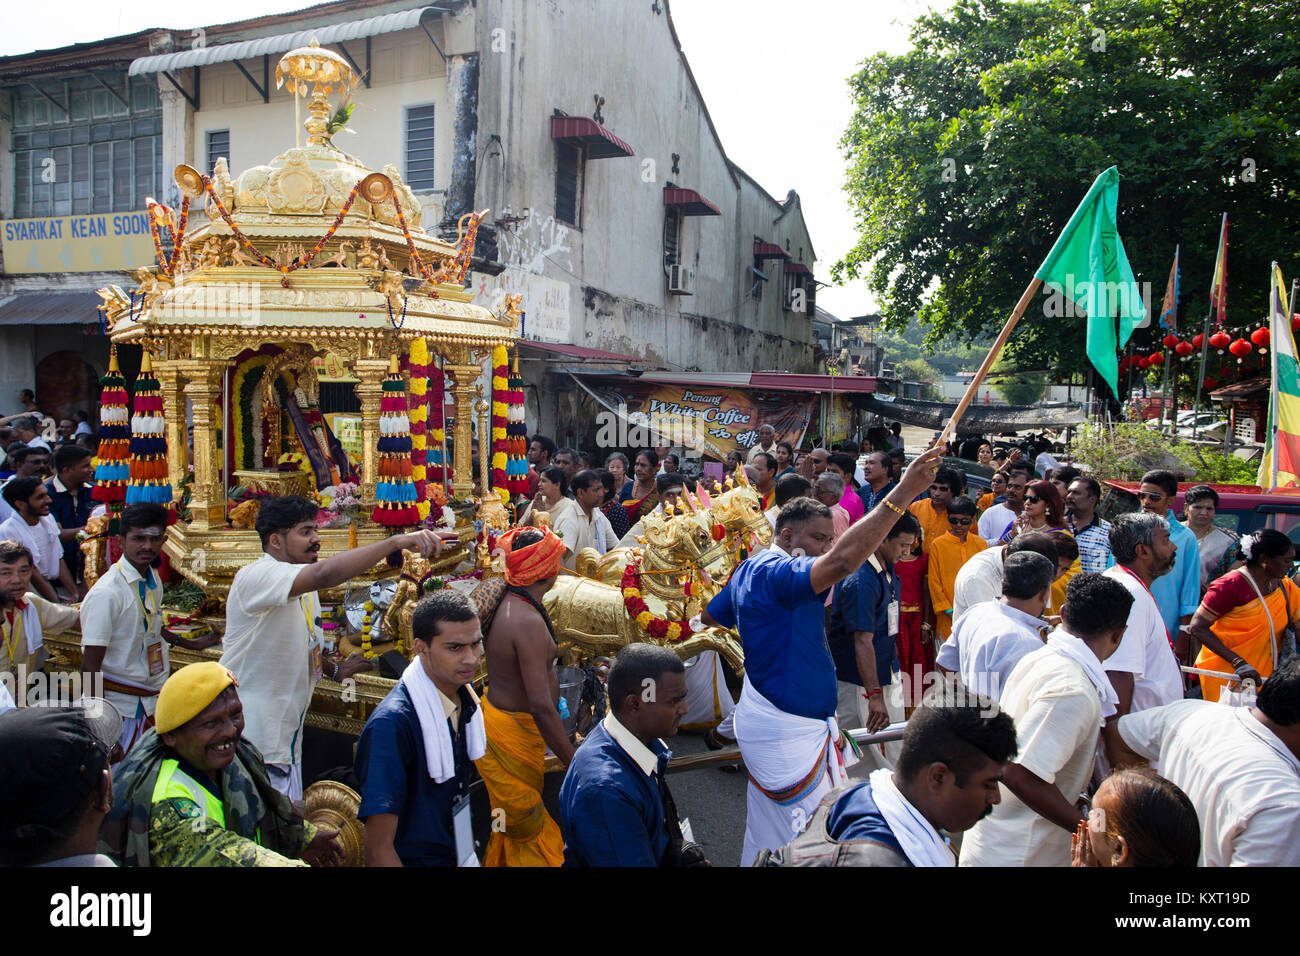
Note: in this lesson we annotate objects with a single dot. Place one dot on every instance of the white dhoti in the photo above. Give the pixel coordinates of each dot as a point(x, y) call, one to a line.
point(287, 778)
point(852, 713)
point(708, 702)
point(792, 763)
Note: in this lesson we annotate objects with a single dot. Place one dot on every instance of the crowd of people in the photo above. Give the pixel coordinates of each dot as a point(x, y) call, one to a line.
point(1031, 648)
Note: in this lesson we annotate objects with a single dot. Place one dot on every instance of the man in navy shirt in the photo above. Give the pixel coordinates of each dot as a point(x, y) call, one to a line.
point(415, 754)
point(862, 634)
point(785, 721)
point(615, 808)
point(70, 500)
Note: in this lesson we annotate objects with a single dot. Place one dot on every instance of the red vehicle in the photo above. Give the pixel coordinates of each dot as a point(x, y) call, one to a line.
point(1242, 508)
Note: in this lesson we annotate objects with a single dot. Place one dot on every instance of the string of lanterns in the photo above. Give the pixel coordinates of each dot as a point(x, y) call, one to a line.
point(1259, 340)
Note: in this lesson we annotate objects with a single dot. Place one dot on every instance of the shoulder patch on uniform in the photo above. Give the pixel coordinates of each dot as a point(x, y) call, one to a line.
point(186, 808)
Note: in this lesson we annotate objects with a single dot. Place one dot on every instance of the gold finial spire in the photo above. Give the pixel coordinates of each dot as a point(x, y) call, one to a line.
point(322, 70)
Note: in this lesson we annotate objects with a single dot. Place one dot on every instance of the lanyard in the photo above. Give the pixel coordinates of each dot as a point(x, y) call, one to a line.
point(15, 633)
point(306, 602)
point(1153, 600)
point(145, 586)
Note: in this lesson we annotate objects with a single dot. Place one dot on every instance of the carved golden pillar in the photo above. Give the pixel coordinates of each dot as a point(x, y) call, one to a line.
point(369, 391)
point(204, 378)
point(169, 380)
point(464, 378)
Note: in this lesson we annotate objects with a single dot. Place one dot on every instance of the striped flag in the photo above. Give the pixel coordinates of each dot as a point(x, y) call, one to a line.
point(1219, 287)
point(1280, 466)
point(1169, 310)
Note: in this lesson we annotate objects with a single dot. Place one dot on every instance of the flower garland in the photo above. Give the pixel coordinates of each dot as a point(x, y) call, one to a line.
point(419, 359)
point(435, 458)
point(160, 213)
point(298, 261)
point(148, 443)
point(657, 627)
point(516, 434)
point(500, 386)
point(111, 468)
point(431, 275)
point(395, 493)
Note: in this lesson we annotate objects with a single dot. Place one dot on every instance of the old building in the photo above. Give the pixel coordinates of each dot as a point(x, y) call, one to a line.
point(615, 209)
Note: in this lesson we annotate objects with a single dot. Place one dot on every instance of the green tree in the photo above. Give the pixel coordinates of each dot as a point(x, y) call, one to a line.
point(1018, 388)
point(967, 154)
point(919, 370)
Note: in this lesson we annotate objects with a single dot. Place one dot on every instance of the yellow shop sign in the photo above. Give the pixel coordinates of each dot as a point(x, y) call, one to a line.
point(98, 242)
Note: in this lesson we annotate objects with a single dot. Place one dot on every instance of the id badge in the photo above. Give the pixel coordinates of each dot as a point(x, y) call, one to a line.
point(316, 670)
point(893, 618)
point(464, 835)
point(154, 653)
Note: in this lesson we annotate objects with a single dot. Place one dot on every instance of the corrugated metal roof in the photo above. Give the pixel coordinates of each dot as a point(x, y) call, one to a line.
point(578, 351)
point(49, 308)
point(600, 142)
point(280, 43)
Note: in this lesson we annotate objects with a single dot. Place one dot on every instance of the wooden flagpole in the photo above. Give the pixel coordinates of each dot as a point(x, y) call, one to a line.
point(973, 388)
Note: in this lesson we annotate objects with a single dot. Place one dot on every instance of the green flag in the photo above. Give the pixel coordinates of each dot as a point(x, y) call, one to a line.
point(1088, 266)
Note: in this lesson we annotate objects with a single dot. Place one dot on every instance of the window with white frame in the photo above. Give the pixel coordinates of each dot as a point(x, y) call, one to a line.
point(419, 148)
point(218, 147)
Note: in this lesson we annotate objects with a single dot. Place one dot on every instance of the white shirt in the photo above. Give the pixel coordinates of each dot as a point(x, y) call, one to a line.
point(986, 645)
point(41, 539)
point(113, 617)
point(581, 531)
point(272, 646)
point(39, 442)
point(1242, 779)
point(994, 521)
point(1058, 718)
point(978, 580)
point(83, 428)
point(757, 450)
point(770, 514)
point(1145, 652)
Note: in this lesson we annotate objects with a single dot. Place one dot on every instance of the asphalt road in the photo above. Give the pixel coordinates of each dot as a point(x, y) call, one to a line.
point(713, 800)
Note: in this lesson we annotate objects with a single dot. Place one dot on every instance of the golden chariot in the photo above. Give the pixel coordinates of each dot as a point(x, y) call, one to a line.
point(313, 259)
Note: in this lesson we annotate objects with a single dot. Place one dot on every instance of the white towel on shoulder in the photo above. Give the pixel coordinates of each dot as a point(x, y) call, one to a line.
point(921, 842)
point(438, 751)
point(1076, 650)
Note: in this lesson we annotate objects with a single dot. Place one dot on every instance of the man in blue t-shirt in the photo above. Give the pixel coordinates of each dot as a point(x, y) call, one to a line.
point(862, 635)
point(775, 600)
point(416, 753)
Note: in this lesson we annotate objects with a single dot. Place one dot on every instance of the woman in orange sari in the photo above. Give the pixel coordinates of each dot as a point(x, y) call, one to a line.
point(641, 493)
point(1244, 613)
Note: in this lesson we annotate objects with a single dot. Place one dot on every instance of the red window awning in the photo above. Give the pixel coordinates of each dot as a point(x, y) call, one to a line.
point(796, 269)
point(769, 250)
point(690, 202)
point(600, 142)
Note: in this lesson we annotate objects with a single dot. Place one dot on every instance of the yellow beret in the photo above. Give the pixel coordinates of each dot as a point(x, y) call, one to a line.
point(188, 692)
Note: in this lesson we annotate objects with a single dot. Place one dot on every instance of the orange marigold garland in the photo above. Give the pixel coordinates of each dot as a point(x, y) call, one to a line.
point(516, 434)
point(111, 468)
point(500, 386)
point(395, 493)
point(148, 443)
point(657, 627)
point(419, 364)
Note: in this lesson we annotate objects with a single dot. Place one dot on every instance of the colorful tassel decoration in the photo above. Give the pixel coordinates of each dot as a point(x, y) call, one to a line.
point(500, 386)
point(111, 468)
point(436, 457)
point(148, 442)
point(516, 434)
point(395, 492)
point(419, 365)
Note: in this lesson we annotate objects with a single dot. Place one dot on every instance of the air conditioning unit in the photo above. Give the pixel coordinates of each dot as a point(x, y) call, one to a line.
point(681, 280)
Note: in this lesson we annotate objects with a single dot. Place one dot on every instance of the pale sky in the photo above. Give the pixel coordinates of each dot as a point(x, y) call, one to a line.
point(772, 73)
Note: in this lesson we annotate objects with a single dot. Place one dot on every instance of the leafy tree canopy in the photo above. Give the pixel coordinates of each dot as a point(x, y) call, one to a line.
point(967, 155)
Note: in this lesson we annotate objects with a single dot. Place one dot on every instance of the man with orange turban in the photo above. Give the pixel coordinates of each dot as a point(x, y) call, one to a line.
point(521, 707)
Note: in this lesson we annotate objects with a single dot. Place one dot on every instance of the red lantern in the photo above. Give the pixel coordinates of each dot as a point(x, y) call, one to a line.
point(1197, 339)
point(1157, 358)
point(1220, 340)
point(1210, 383)
point(1260, 337)
point(1170, 340)
point(1240, 348)
point(1295, 322)
point(1184, 349)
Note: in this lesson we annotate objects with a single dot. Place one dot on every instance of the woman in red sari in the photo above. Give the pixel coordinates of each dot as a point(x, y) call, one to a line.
point(915, 631)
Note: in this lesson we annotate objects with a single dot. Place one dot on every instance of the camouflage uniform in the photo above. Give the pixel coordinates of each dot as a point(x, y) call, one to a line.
point(180, 835)
point(262, 827)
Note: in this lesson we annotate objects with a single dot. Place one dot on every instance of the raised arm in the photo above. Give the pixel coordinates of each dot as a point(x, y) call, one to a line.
point(335, 570)
point(864, 536)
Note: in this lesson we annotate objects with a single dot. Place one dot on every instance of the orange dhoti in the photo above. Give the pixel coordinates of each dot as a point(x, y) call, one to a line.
point(523, 833)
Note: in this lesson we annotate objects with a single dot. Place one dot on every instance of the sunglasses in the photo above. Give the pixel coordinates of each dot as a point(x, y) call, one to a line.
point(1032, 499)
point(960, 521)
point(1150, 495)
